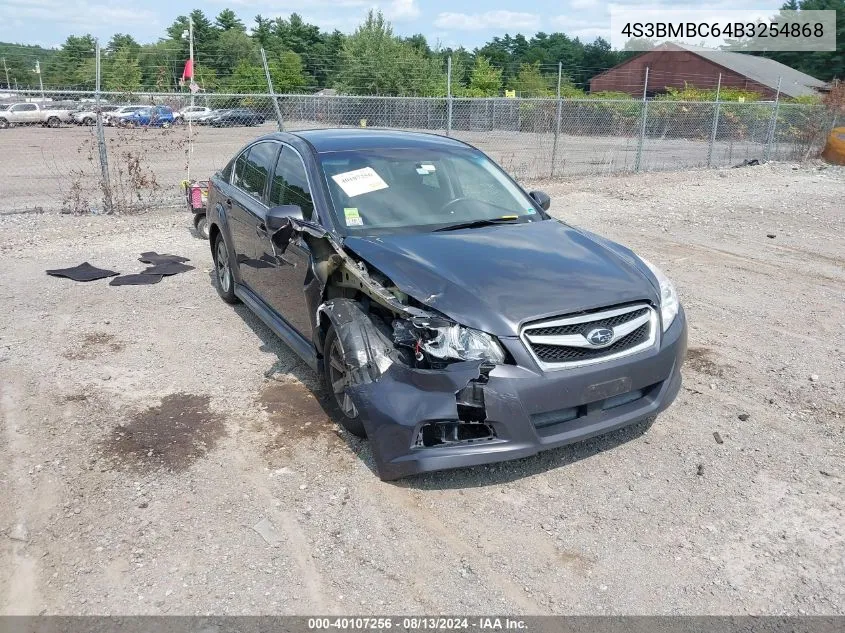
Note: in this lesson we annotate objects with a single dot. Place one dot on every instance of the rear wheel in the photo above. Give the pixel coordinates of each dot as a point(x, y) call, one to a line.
point(336, 380)
point(3, 124)
point(223, 279)
point(201, 224)
point(53, 122)
point(88, 121)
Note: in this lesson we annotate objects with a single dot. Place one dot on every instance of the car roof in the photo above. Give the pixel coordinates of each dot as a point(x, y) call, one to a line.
point(343, 139)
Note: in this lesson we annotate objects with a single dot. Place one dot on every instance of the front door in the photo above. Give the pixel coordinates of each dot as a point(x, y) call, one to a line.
point(246, 204)
point(282, 284)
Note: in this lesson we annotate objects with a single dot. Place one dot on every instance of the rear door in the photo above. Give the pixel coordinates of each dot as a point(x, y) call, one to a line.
point(25, 113)
point(282, 283)
point(246, 205)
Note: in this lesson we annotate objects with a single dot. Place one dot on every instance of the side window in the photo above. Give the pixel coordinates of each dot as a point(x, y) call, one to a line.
point(290, 185)
point(252, 169)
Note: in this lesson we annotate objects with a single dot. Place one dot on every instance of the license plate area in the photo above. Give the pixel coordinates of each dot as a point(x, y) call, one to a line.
point(608, 389)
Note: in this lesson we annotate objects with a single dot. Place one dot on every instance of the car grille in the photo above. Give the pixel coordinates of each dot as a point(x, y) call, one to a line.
point(563, 342)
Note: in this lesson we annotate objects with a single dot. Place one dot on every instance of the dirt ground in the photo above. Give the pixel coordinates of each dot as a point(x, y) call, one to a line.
point(162, 452)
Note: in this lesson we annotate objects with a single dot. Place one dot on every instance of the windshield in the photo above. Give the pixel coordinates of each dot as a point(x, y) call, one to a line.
point(420, 189)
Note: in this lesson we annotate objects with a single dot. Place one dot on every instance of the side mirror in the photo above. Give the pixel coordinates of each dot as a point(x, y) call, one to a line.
point(542, 199)
point(277, 215)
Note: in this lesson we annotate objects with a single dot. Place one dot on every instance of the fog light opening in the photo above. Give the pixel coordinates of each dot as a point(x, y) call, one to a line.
point(434, 434)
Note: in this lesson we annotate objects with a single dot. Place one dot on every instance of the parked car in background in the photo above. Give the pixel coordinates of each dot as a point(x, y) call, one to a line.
point(237, 116)
point(192, 113)
point(453, 321)
point(205, 119)
point(88, 114)
point(34, 114)
point(152, 116)
point(113, 118)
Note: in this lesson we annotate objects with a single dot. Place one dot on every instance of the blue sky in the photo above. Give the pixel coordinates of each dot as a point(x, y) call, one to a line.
point(469, 23)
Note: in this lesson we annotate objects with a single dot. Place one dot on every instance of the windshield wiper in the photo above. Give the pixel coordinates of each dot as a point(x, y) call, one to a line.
point(505, 219)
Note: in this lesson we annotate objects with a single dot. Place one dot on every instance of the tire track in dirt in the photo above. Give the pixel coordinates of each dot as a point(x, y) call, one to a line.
point(407, 501)
point(20, 589)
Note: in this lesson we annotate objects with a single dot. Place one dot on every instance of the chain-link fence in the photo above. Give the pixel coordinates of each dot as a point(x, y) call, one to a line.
point(54, 157)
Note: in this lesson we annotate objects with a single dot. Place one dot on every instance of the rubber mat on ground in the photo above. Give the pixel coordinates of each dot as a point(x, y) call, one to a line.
point(135, 280)
point(83, 272)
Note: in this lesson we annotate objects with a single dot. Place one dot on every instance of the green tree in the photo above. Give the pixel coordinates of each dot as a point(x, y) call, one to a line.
point(122, 40)
point(484, 80)
point(374, 61)
point(287, 73)
point(247, 77)
point(122, 71)
point(530, 82)
point(228, 21)
point(262, 32)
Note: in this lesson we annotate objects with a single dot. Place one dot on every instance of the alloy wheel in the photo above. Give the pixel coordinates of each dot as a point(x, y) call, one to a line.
point(224, 276)
point(338, 376)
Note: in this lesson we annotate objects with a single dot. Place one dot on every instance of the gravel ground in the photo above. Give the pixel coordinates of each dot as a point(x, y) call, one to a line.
point(162, 452)
point(52, 168)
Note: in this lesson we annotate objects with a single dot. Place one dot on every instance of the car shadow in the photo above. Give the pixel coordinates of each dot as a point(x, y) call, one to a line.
point(287, 362)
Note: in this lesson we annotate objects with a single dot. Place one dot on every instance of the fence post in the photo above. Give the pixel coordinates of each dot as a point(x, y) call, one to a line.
point(449, 96)
point(642, 127)
point(773, 124)
point(272, 92)
point(557, 119)
point(715, 123)
point(108, 206)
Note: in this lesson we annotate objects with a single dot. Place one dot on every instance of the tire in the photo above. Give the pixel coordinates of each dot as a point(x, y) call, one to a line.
point(53, 122)
point(88, 121)
point(165, 125)
point(201, 224)
point(339, 405)
point(4, 124)
point(223, 279)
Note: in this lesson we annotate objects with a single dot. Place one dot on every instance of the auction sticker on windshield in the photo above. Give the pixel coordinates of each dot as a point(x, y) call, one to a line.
point(359, 181)
point(352, 217)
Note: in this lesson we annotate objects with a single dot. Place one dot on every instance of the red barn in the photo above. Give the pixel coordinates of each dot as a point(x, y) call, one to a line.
point(674, 65)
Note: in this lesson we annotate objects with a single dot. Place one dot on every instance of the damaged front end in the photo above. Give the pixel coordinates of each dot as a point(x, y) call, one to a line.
point(416, 377)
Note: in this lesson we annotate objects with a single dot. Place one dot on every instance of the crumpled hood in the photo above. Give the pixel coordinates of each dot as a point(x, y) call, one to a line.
point(496, 278)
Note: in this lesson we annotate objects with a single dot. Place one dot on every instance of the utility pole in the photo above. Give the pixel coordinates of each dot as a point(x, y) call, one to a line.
point(101, 138)
point(40, 80)
point(191, 56)
point(272, 91)
point(6, 68)
point(449, 96)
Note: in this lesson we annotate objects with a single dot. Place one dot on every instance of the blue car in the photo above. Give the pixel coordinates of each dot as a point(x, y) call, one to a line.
point(154, 116)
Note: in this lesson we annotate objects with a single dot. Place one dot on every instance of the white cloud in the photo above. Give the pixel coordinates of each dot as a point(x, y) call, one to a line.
point(489, 20)
point(77, 12)
point(399, 10)
point(583, 4)
point(583, 29)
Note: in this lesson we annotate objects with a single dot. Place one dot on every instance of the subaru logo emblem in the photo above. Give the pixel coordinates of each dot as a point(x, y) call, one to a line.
point(600, 336)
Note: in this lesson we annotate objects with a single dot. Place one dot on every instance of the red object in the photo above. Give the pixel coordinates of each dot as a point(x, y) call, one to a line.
point(189, 70)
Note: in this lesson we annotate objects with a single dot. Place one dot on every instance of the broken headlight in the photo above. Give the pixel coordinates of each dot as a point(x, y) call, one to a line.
point(442, 339)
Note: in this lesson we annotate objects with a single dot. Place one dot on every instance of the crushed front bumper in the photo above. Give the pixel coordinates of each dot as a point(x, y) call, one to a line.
point(527, 409)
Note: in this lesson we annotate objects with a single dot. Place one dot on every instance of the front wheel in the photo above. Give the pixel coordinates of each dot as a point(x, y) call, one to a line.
point(4, 124)
point(336, 380)
point(88, 121)
point(223, 279)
